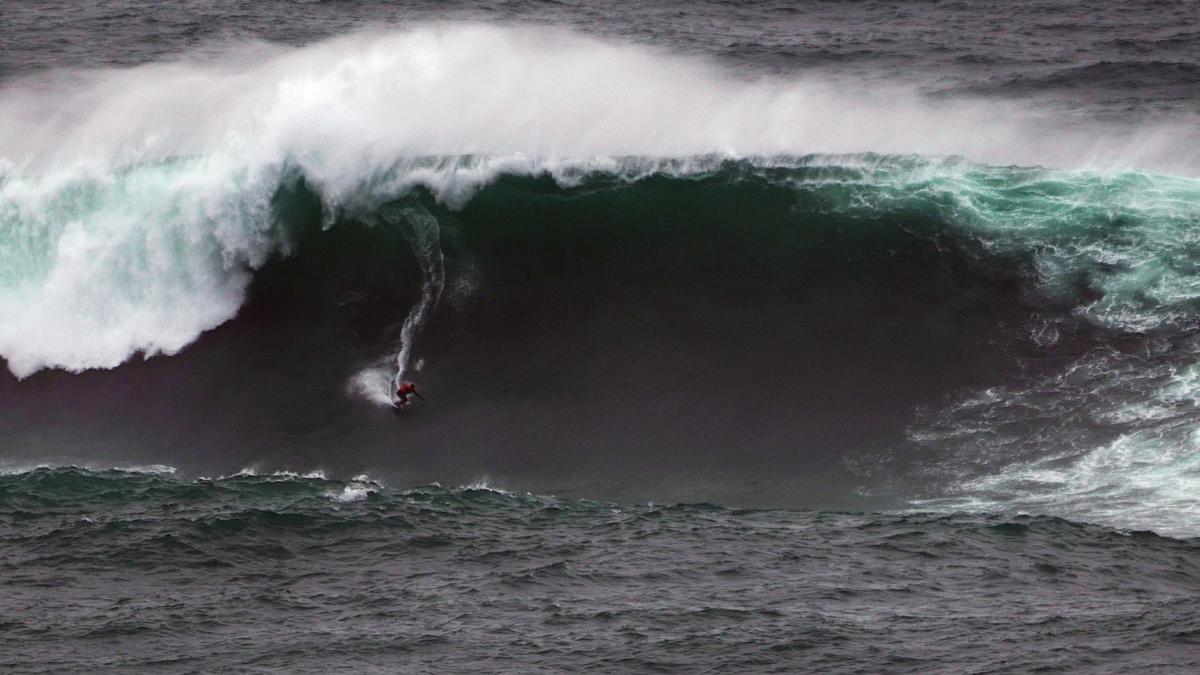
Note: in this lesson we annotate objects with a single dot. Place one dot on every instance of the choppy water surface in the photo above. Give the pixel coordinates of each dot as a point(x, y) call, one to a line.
point(124, 570)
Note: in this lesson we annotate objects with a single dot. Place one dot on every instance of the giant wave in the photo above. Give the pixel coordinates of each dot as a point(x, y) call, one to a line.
point(139, 206)
point(135, 202)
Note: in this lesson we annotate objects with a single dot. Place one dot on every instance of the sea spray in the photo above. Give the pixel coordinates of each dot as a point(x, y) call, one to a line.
point(135, 203)
point(424, 235)
point(421, 230)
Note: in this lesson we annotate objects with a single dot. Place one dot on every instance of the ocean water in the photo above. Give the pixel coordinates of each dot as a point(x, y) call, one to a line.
point(137, 570)
point(754, 336)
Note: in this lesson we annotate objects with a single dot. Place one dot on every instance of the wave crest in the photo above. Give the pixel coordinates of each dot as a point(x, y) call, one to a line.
point(135, 203)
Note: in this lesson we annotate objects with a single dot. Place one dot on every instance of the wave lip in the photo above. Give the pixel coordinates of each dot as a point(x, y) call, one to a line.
point(135, 203)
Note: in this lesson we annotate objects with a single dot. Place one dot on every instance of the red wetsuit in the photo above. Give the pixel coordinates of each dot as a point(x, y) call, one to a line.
point(404, 391)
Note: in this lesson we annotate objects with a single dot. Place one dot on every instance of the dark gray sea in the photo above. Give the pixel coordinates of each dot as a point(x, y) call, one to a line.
point(753, 337)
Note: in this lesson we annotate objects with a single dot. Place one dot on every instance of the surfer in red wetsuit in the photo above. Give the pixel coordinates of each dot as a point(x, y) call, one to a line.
point(405, 390)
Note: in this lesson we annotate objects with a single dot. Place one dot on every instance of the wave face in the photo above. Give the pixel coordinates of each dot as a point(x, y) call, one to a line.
point(607, 260)
point(363, 575)
point(1040, 328)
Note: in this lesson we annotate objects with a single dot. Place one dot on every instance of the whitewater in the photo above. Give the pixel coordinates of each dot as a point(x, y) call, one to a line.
point(135, 203)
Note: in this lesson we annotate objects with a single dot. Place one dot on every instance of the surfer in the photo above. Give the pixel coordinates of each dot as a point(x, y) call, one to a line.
point(405, 390)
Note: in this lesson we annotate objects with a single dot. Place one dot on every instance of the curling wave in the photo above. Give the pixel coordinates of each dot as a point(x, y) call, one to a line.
point(134, 204)
point(138, 214)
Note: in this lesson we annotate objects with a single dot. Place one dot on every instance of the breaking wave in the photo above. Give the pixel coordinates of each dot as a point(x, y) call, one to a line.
point(135, 203)
point(136, 209)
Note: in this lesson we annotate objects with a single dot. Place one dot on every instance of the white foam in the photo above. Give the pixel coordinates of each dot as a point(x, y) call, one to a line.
point(284, 475)
point(153, 469)
point(351, 493)
point(359, 488)
point(483, 485)
point(135, 203)
point(373, 384)
point(1143, 473)
point(1140, 480)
